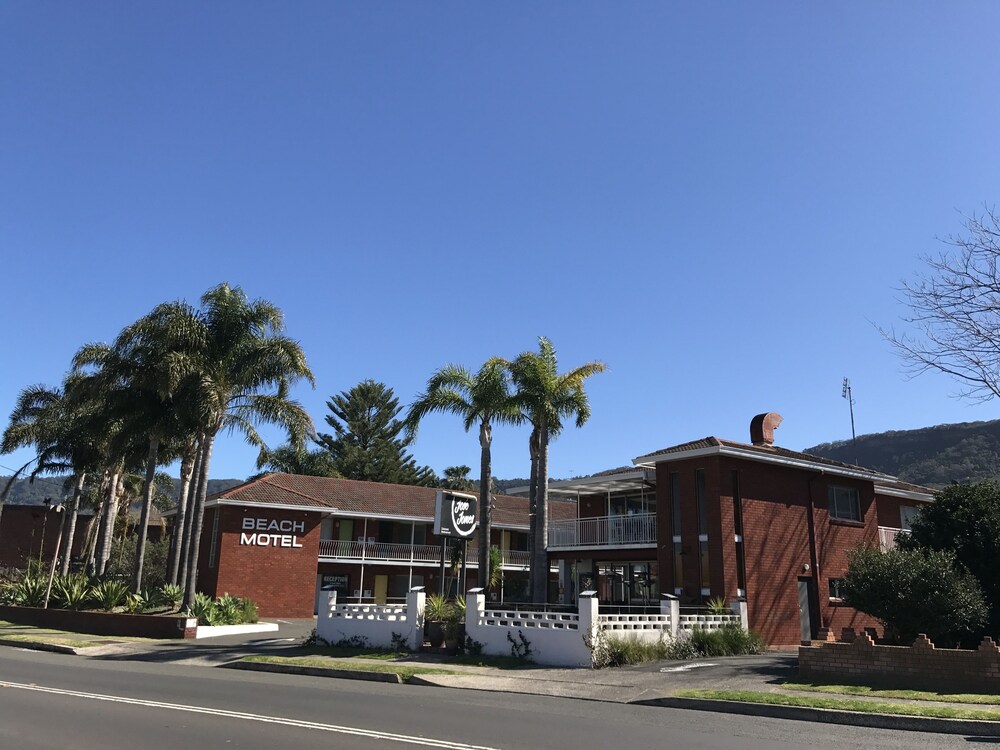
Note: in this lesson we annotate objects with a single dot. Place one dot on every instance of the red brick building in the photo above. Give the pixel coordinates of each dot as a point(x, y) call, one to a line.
point(282, 538)
point(717, 518)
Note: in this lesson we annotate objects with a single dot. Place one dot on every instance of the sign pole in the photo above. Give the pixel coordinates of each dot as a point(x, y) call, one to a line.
point(444, 542)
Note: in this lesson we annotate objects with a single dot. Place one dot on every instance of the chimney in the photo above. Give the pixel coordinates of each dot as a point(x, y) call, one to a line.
point(762, 428)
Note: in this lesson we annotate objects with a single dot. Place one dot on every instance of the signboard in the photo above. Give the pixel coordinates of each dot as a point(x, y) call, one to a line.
point(339, 582)
point(259, 532)
point(454, 514)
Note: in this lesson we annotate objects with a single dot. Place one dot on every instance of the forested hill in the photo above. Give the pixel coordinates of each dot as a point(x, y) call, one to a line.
point(34, 493)
point(932, 456)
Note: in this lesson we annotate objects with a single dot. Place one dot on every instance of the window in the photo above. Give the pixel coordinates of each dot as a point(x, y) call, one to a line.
point(675, 504)
point(845, 504)
point(836, 588)
point(702, 501)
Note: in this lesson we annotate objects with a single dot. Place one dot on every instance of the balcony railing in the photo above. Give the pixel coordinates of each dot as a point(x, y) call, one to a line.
point(887, 537)
point(407, 553)
point(604, 531)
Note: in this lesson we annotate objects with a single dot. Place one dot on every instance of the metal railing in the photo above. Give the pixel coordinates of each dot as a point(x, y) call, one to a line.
point(603, 531)
point(887, 537)
point(407, 553)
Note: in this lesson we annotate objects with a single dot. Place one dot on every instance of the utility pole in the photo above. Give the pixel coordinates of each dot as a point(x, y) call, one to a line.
point(846, 393)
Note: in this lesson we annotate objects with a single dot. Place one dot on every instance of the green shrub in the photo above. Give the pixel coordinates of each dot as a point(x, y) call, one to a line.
point(437, 609)
point(226, 610)
point(729, 640)
point(912, 591)
point(204, 609)
point(248, 611)
point(70, 592)
point(121, 563)
point(618, 651)
point(109, 594)
point(718, 606)
point(30, 590)
point(172, 594)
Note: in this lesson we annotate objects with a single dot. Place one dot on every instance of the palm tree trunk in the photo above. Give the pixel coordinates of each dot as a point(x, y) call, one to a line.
point(95, 526)
point(182, 568)
point(147, 503)
point(177, 538)
point(532, 502)
point(71, 518)
point(485, 507)
point(197, 522)
point(539, 553)
point(108, 525)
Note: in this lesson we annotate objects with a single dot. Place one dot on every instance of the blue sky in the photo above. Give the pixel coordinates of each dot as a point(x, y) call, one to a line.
point(718, 200)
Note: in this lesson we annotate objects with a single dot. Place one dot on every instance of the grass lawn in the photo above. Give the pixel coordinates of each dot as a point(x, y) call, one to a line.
point(405, 672)
point(912, 695)
point(843, 704)
point(55, 640)
point(13, 631)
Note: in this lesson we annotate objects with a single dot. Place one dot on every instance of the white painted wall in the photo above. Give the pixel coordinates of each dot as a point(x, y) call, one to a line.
point(374, 622)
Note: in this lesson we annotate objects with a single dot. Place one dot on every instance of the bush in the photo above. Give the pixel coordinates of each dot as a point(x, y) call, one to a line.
point(109, 594)
point(912, 591)
point(226, 610)
point(729, 640)
point(70, 592)
point(30, 590)
point(172, 594)
point(121, 564)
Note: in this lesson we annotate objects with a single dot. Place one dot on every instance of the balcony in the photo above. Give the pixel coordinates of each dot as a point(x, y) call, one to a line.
point(887, 537)
point(637, 530)
point(406, 554)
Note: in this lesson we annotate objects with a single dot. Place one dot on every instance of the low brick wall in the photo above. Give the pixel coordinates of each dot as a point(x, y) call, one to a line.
point(856, 659)
point(103, 623)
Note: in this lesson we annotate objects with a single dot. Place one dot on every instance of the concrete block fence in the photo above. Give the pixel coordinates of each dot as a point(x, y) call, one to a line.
point(554, 638)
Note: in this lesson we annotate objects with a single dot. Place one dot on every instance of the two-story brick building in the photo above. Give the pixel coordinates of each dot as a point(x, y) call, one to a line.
point(282, 538)
point(717, 518)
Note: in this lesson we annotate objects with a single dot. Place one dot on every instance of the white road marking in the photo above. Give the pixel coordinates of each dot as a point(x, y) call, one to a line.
point(272, 640)
point(355, 731)
point(687, 667)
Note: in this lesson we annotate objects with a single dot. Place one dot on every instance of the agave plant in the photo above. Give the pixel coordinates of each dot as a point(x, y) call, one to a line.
point(109, 594)
point(30, 590)
point(172, 594)
point(204, 609)
point(71, 591)
point(227, 609)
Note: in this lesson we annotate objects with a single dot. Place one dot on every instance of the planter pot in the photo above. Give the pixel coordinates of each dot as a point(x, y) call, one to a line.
point(434, 633)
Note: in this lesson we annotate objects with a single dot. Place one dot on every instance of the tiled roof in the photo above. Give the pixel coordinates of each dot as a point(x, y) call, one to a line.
point(353, 496)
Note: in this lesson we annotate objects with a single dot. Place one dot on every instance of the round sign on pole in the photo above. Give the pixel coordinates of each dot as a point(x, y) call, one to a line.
point(455, 514)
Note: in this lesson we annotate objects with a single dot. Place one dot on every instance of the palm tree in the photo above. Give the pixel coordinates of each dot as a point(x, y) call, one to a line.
point(547, 397)
point(291, 459)
point(246, 368)
point(146, 375)
point(483, 397)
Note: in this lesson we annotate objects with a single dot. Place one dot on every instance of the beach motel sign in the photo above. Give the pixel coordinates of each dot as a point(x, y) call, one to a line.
point(454, 514)
point(268, 532)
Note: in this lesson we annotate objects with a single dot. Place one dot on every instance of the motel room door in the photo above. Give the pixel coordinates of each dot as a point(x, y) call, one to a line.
point(381, 589)
point(808, 616)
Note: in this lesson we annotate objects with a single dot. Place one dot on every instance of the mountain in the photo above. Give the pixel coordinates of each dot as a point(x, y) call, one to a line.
point(34, 493)
point(931, 456)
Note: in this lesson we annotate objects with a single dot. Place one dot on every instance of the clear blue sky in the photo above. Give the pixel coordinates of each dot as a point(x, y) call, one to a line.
point(716, 199)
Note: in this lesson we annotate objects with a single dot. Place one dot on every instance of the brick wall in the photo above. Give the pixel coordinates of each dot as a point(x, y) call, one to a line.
point(857, 660)
point(281, 580)
point(23, 529)
point(102, 623)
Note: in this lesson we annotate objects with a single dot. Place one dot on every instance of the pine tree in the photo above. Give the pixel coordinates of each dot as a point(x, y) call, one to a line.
point(369, 441)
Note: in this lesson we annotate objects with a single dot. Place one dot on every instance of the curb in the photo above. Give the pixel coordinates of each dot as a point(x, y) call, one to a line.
point(975, 727)
point(41, 646)
point(345, 674)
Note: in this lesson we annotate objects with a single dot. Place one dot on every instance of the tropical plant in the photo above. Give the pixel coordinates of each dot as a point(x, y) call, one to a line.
point(204, 609)
point(457, 478)
point(171, 594)
point(70, 591)
point(369, 442)
point(729, 640)
point(718, 606)
point(546, 397)
point(246, 369)
point(495, 576)
point(30, 590)
point(109, 594)
point(482, 399)
point(291, 459)
point(437, 608)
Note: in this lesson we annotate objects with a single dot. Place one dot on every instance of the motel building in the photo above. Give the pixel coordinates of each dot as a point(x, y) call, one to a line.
point(701, 520)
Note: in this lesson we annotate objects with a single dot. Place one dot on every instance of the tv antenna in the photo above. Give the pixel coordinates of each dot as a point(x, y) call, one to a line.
point(845, 392)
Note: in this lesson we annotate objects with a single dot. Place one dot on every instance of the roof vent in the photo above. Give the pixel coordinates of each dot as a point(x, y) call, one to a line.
point(762, 428)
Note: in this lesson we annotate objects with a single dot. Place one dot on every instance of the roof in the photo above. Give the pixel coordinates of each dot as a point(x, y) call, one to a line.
point(354, 497)
point(776, 454)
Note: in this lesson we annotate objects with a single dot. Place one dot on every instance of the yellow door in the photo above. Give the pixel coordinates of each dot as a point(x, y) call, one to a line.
point(505, 540)
point(381, 588)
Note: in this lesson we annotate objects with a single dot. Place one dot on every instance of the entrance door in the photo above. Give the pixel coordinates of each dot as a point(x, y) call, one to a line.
point(805, 609)
point(381, 589)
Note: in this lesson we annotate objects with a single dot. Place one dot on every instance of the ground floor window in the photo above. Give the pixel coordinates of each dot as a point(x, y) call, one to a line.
point(634, 583)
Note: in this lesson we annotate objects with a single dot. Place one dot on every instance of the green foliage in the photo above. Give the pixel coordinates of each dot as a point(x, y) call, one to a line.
point(369, 441)
point(457, 478)
point(437, 608)
point(718, 606)
point(913, 591)
point(729, 640)
point(203, 609)
point(965, 520)
point(122, 560)
point(495, 576)
point(109, 594)
point(226, 610)
point(171, 594)
point(290, 459)
point(30, 590)
point(70, 592)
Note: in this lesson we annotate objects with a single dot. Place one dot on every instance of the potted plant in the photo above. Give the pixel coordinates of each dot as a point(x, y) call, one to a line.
point(437, 611)
point(454, 626)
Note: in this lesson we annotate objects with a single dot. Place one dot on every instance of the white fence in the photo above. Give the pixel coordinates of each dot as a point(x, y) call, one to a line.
point(554, 638)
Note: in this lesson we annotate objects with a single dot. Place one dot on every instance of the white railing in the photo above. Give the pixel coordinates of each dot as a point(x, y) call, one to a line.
point(707, 622)
point(406, 553)
point(509, 618)
point(603, 531)
point(887, 537)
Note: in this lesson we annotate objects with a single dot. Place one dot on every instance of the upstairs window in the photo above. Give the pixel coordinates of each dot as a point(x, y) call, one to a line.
point(837, 589)
point(845, 503)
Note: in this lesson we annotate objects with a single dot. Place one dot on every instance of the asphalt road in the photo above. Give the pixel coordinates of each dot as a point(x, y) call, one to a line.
point(55, 701)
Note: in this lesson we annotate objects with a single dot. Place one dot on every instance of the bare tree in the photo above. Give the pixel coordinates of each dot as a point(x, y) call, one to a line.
point(955, 306)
